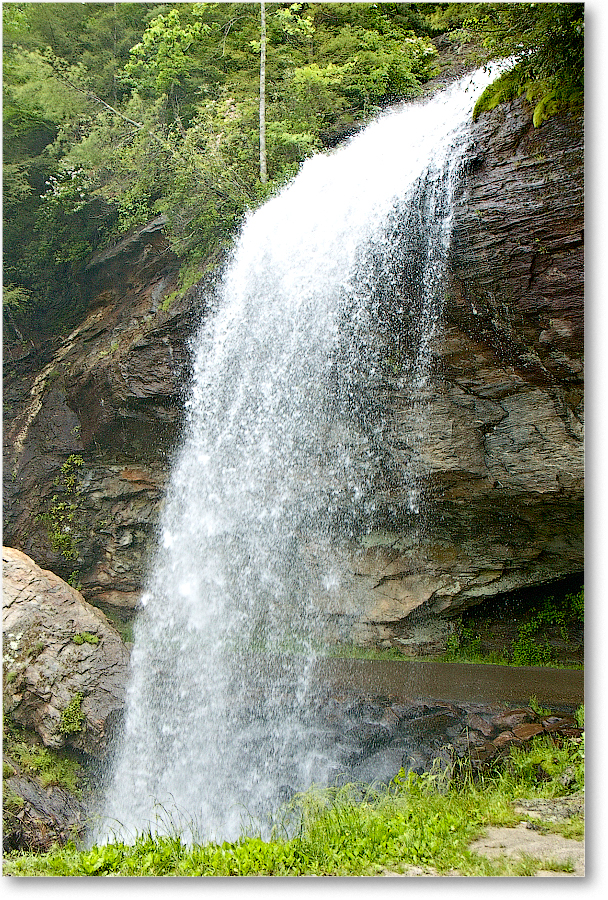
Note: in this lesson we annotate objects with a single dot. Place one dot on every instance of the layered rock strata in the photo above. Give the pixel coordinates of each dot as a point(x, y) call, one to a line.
point(500, 463)
point(499, 469)
point(107, 401)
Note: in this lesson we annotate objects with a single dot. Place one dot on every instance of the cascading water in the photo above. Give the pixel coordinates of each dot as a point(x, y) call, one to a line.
point(280, 464)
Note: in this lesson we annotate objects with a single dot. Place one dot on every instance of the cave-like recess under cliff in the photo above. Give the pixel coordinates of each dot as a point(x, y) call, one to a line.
point(504, 451)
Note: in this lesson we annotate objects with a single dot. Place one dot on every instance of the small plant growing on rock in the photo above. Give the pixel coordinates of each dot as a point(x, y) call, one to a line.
point(23, 755)
point(74, 581)
point(60, 518)
point(85, 637)
point(72, 717)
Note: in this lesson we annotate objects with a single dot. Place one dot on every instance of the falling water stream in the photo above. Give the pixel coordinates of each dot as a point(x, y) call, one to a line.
point(280, 464)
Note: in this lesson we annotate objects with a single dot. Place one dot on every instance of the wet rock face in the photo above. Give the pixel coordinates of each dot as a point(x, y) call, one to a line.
point(374, 736)
point(500, 469)
point(517, 259)
point(64, 666)
point(500, 466)
point(112, 394)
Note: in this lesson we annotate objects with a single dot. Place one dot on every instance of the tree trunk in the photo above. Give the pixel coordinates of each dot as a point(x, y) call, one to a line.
point(263, 173)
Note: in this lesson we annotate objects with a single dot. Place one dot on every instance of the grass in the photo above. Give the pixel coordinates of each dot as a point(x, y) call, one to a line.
point(351, 651)
point(457, 652)
point(425, 820)
point(49, 766)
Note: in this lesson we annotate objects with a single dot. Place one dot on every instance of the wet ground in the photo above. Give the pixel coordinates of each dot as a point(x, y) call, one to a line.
point(465, 682)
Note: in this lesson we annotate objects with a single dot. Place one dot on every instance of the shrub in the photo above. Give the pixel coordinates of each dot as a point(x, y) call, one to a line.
point(72, 717)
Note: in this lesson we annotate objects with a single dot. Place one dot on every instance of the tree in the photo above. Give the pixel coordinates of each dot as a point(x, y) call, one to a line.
point(547, 38)
point(548, 42)
point(114, 112)
point(48, 230)
point(263, 172)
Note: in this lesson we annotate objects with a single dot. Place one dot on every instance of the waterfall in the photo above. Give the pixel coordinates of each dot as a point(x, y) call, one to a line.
point(331, 282)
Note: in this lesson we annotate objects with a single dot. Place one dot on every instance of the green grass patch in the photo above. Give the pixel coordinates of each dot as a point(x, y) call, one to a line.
point(24, 753)
point(50, 767)
point(425, 820)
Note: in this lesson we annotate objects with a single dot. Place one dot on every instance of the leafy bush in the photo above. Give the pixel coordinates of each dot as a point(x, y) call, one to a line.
point(531, 647)
point(547, 39)
point(115, 113)
point(72, 717)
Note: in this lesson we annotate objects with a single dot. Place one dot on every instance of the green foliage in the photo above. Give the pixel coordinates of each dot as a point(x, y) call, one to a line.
point(349, 651)
point(68, 471)
point(8, 770)
point(85, 637)
point(16, 298)
point(464, 645)
point(114, 113)
point(537, 708)
point(547, 39)
point(73, 580)
point(507, 86)
point(54, 54)
point(59, 522)
point(546, 762)
point(48, 766)
point(575, 606)
point(531, 647)
point(60, 519)
point(11, 802)
point(163, 58)
point(426, 820)
point(528, 649)
point(72, 717)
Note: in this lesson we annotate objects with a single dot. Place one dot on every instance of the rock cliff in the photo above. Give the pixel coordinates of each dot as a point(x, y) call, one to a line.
point(110, 394)
point(501, 461)
point(91, 420)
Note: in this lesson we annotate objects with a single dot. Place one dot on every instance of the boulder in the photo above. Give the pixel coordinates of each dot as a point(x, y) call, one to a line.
point(65, 667)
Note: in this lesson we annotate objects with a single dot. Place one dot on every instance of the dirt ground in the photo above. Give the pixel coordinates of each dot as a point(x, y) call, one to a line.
point(525, 840)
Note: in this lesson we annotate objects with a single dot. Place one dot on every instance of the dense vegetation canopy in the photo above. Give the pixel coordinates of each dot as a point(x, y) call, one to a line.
point(115, 113)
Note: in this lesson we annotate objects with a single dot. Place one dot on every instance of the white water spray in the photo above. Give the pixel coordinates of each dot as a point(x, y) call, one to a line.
point(281, 462)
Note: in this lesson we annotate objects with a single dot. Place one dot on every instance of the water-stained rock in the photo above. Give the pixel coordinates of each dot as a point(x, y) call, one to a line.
point(497, 441)
point(525, 731)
